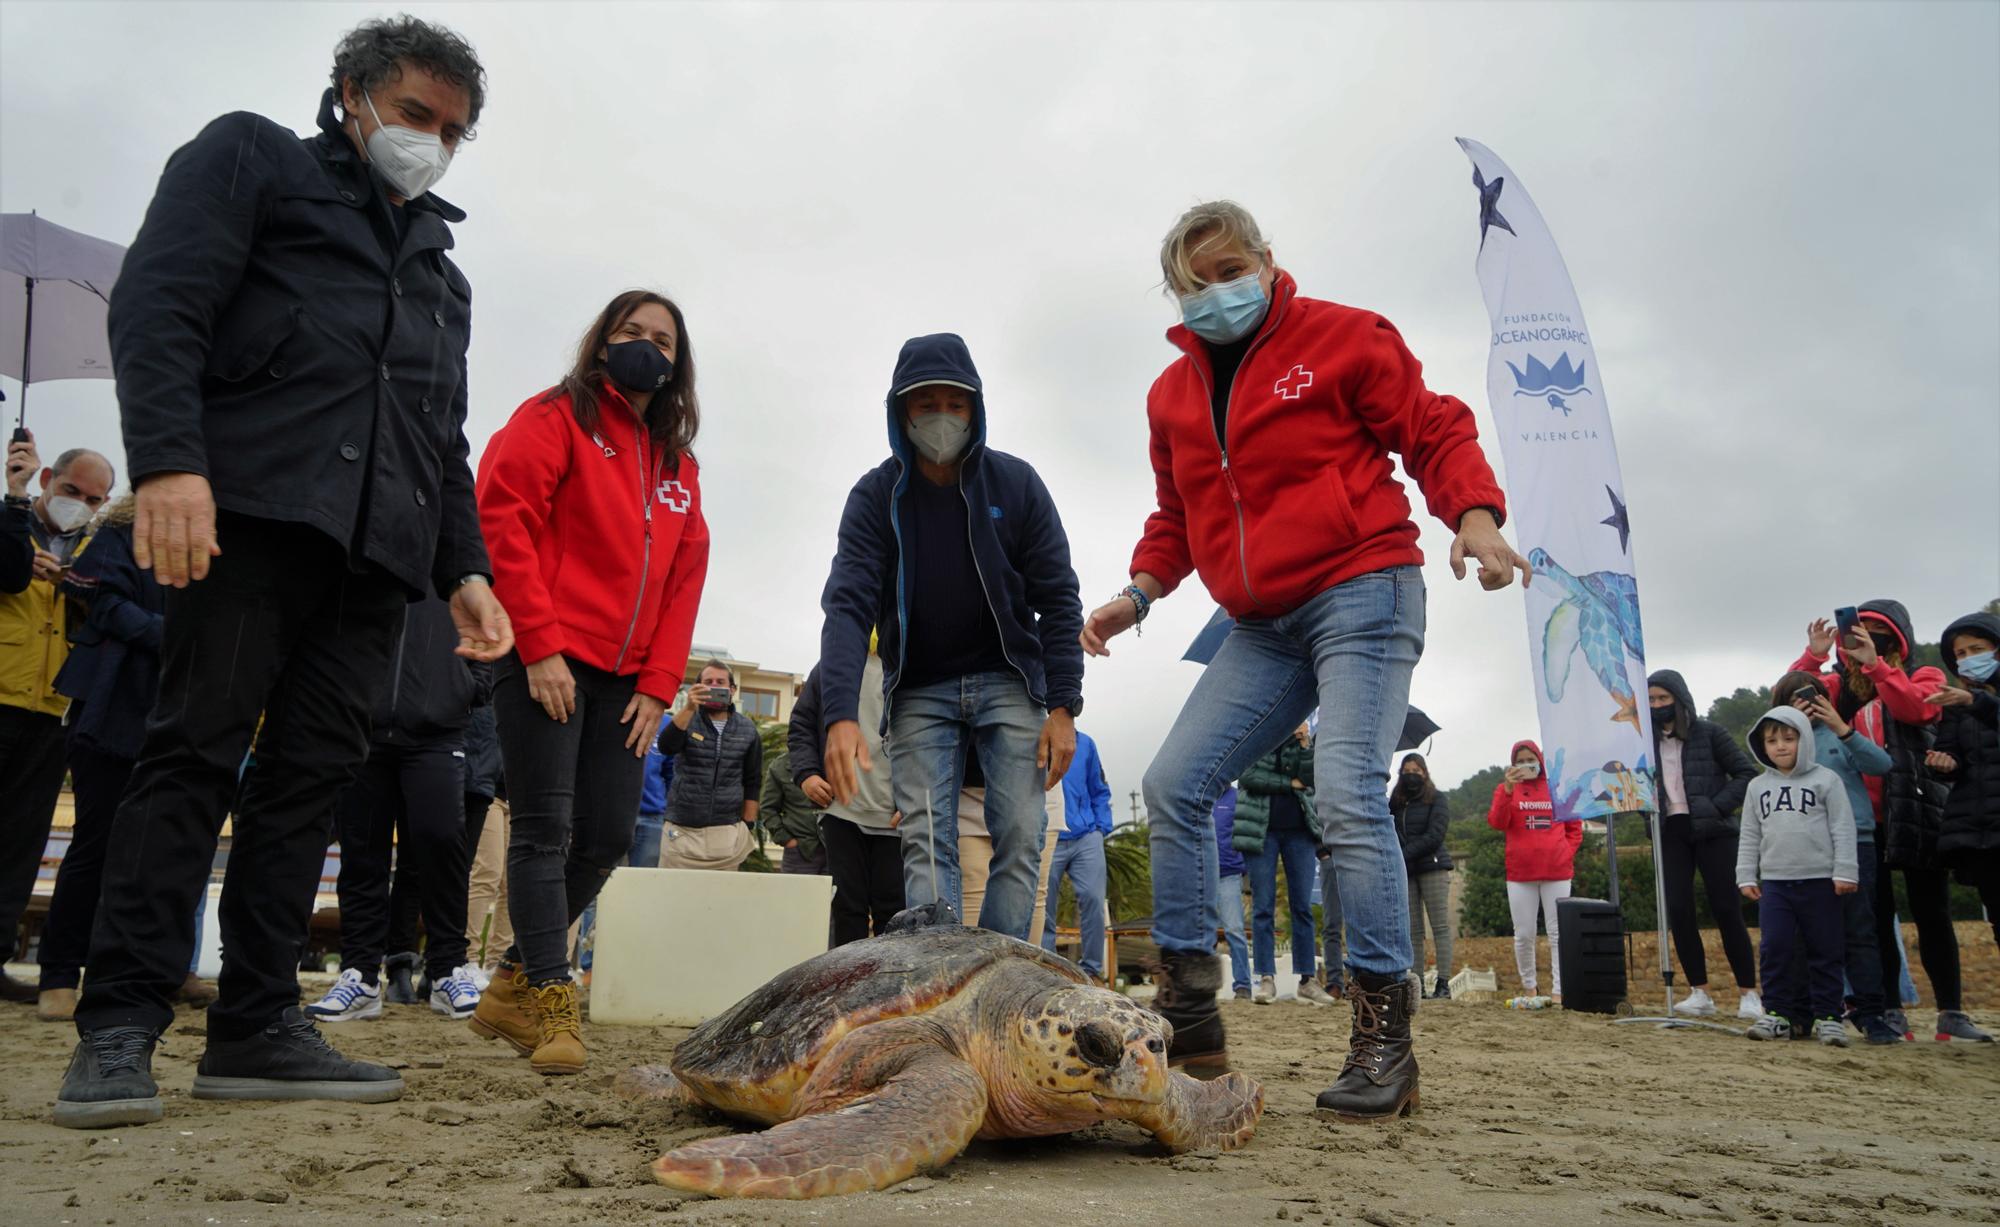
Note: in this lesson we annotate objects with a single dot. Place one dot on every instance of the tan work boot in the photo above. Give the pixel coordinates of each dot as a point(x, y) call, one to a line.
point(507, 1010)
point(561, 1049)
point(56, 1005)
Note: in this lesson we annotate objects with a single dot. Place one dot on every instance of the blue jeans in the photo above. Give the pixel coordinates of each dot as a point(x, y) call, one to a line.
point(1231, 902)
point(1349, 651)
point(1082, 859)
point(1301, 858)
point(930, 729)
point(645, 853)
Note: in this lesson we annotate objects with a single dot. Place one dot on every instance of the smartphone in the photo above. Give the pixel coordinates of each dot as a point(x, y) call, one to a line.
point(1846, 618)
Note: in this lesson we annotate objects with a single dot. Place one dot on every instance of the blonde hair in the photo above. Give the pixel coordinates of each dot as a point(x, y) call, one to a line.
point(1203, 227)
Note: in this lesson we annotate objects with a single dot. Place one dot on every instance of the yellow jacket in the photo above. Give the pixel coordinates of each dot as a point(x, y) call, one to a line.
point(34, 642)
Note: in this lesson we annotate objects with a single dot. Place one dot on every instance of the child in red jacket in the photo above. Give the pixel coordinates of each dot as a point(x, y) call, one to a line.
point(1540, 856)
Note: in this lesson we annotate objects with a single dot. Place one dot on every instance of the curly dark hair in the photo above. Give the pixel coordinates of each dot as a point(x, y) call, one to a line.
point(374, 52)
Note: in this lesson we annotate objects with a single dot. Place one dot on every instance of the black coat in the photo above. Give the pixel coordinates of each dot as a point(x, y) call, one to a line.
point(277, 328)
point(113, 667)
point(1421, 825)
point(432, 689)
point(1971, 735)
point(1715, 768)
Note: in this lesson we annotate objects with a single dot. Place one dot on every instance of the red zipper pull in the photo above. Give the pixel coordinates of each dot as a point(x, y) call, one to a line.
point(1230, 479)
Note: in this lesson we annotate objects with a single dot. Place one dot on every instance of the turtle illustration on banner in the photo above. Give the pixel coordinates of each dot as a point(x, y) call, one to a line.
point(1599, 615)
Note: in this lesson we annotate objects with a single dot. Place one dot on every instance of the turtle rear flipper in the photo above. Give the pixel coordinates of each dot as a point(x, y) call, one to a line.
point(890, 1100)
point(1219, 1115)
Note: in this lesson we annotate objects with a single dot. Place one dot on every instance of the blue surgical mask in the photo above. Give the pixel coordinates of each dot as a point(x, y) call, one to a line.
point(1980, 666)
point(1227, 311)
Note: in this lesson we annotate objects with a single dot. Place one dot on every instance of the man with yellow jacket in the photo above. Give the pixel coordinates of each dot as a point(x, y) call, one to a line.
point(38, 538)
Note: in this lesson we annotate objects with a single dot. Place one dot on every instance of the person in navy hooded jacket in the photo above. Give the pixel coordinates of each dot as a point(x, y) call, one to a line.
point(956, 551)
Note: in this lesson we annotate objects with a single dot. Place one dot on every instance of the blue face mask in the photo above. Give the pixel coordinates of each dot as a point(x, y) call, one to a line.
point(1980, 667)
point(1227, 311)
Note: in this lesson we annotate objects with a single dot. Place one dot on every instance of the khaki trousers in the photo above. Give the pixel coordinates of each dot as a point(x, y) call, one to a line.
point(719, 847)
point(486, 896)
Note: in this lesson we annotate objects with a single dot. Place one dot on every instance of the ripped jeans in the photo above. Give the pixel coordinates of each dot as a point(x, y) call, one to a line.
point(574, 791)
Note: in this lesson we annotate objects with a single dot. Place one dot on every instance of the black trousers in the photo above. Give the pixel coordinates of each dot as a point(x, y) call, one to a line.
point(1937, 942)
point(1681, 854)
point(31, 776)
point(419, 791)
point(867, 878)
point(99, 780)
point(574, 790)
point(283, 627)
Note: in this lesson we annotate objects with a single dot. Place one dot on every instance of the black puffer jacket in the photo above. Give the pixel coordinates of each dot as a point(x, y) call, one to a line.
point(1971, 735)
point(1715, 770)
point(1421, 823)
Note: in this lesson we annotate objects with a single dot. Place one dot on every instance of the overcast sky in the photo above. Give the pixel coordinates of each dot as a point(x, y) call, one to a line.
point(1783, 221)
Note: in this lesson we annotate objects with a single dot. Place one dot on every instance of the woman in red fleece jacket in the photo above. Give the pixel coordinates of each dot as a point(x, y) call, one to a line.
point(591, 509)
point(1271, 440)
point(1541, 853)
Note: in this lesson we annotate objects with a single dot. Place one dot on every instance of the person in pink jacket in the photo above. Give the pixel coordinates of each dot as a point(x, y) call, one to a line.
point(1540, 856)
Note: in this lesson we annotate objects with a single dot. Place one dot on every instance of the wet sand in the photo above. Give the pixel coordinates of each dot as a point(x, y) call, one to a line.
point(1527, 1118)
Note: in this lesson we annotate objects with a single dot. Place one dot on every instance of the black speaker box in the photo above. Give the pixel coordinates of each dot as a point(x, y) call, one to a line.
point(1592, 950)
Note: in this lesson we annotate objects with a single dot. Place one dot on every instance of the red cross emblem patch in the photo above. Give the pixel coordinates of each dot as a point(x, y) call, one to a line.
point(675, 496)
point(1295, 383)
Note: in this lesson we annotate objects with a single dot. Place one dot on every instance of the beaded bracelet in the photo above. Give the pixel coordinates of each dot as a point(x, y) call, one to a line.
point(1141, 604)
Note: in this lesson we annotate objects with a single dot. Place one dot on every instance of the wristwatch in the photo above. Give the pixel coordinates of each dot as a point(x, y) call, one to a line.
point(472, 577)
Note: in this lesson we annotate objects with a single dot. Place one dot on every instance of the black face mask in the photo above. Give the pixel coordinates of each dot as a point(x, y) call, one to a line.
point(1412, 782)
point(638, 366)
point(1884, 645)
point(1663, 715)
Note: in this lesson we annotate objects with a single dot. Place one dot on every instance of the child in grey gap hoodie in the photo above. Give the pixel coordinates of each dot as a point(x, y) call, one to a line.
point(1795, 856)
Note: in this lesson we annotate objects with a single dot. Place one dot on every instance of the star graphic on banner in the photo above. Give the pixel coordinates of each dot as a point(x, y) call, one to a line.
point(1619, 520)
point(1489, 205)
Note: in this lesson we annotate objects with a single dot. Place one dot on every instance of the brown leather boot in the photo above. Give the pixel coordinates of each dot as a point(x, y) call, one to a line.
point(561, 1047)
point(1186, 985)
point(1379, 1080)
point(506, 1010)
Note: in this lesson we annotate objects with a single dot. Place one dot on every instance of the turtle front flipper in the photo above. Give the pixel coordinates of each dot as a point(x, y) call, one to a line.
point(1218, 1115)
point(890, 1100)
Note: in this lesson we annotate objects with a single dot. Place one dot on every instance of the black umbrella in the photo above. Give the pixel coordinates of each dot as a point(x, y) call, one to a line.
point(1417, 727)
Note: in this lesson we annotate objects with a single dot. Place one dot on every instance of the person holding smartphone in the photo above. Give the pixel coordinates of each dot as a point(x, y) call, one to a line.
point(590, 501)
point(718, 768)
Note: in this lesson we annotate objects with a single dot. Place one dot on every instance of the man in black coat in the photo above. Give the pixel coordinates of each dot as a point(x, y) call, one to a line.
point(289, 343)
point(1700, 778)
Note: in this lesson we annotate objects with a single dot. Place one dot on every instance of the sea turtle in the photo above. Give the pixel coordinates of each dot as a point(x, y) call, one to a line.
point(1599, 613)
point(884, 1058)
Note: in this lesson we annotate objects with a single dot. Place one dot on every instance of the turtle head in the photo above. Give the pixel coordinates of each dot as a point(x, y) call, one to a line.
point(1080, 1040)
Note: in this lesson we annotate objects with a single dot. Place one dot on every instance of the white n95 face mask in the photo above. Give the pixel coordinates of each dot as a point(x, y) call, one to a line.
point(941, 437)
point(409, 161)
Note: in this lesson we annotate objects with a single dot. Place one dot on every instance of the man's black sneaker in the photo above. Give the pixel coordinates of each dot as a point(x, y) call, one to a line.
point(110, 1080)
point(290, 1060)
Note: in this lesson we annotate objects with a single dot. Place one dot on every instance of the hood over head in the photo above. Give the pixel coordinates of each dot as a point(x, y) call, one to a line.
point(941, 357)
point(1792, 716)
point(1684, 713)
point(1891, 614)
point(1982, 624)
point(1532, 748)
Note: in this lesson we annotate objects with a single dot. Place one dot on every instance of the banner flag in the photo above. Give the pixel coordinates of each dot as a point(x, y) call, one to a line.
point(1566, 503)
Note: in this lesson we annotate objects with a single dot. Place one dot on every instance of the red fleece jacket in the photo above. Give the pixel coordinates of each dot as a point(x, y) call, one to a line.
point(1304, 496)
point(1901, 693)
point(598, 543)
point(1539, 849)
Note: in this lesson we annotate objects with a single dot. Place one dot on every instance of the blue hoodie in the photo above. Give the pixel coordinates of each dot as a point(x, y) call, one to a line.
point(1086, 793)
point(1018, 545)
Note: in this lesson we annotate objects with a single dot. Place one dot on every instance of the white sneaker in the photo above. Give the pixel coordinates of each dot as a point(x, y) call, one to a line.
point(1696, 1004)
point(1752, 1006)
point(1312, 993)
point(457, 995)
point(481, 976)
point(1266, 991)
point(349, 998)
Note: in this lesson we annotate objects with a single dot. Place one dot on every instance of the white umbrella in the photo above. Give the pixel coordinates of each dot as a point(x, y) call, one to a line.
point(55, 287)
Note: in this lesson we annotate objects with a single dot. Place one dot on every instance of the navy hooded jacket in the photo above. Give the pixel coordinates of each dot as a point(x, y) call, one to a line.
point(1018, 544)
